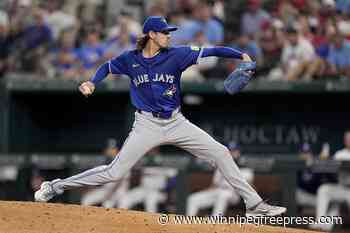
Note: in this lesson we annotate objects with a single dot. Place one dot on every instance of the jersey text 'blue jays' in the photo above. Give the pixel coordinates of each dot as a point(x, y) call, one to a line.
point(155, 82)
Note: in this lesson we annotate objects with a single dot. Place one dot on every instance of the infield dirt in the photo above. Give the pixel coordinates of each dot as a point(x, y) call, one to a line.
point(29, 217)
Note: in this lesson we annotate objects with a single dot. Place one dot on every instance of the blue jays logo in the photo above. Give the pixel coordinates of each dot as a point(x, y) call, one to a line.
point(170, 91)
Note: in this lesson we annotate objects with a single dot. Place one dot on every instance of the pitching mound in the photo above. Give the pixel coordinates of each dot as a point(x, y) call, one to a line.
point(28, 217)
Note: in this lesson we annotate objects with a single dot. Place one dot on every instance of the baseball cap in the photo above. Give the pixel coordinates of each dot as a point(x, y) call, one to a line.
point(233, 146)
point(157, 24)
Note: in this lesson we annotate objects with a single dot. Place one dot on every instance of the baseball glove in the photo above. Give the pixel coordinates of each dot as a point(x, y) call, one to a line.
point(240, 77)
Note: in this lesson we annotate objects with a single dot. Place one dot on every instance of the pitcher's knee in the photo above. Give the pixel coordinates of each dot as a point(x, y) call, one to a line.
point(115, 171)
point(221, 150)
point(115, 176)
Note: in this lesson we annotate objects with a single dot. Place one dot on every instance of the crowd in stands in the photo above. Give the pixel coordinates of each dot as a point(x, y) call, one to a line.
point(290, 40)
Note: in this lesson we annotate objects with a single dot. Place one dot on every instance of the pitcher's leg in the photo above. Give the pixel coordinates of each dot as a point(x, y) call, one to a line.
point(133, 149)
point(193, 139)
point(141, 139)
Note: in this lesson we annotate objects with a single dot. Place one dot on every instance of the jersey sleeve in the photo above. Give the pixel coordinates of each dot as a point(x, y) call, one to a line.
point(118, 65)
point(187, 56)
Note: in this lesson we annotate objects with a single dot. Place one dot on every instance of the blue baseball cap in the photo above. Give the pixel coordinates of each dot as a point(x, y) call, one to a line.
point(233, 146)
point(157, 24)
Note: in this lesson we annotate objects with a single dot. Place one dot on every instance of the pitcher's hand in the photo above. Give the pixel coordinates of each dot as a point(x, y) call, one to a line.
point(87, 88)
point(245, 57)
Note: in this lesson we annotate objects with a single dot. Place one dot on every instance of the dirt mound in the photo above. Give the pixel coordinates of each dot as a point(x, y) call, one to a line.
point(28, 217)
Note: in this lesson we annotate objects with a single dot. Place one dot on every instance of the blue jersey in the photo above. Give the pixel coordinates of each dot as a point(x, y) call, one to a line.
point(155, 82)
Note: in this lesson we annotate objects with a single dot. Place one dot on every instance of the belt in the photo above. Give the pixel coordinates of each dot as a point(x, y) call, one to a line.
point(161, 115)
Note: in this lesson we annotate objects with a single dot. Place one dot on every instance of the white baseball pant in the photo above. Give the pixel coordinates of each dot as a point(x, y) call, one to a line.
point(148, 132)
point(108, 195)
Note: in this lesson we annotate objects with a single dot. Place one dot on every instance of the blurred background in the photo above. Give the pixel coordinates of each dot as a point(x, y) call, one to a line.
point(288, 130)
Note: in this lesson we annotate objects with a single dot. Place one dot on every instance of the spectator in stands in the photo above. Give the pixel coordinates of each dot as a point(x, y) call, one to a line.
point(340, 192)
point(158, 8)
point(271, 42)
point(88, 11)
point(343, 25)
point(64, 60)
point(308, 180)
point(219, 10)
point(91, 52)
point(186, 6)
point(204, 21)
point(287, 12)
point(57, 19)
point(303, 25)
point(253, 18)
point(20, 13)
point(313, 14)
point(314, 20)
point(297, 55)
point(36, 38)
point(247, 44)
point(328, 8)
point(125, 18)
point(5, 42)
point(38, 32)
point(343, 6)
point(178, 19)
point(339, 56)
point(321, 41)
point(116, 45)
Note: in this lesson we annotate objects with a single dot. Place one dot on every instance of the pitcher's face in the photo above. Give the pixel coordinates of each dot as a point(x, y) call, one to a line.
point(162, 39)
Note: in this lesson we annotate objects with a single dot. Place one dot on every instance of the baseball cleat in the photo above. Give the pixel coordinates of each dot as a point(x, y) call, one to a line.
point(45, 193)
point(264, 209)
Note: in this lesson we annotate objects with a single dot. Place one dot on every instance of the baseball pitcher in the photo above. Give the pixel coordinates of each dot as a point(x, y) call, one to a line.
point(154, 69)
